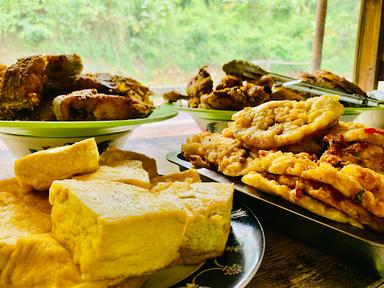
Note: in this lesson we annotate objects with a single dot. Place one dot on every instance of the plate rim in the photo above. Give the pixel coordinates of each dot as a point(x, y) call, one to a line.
point(259, 261)
point(163, 111)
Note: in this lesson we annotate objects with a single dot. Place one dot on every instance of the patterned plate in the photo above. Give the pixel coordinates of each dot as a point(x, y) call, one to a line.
point(235, 269)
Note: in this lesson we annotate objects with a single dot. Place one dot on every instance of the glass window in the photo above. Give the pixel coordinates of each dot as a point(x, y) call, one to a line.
point(164, 42)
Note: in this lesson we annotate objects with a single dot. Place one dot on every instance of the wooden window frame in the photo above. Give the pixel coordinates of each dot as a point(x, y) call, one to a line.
point(369, 53)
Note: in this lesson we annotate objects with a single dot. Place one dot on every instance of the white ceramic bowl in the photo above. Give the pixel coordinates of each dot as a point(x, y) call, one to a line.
point(23, 145)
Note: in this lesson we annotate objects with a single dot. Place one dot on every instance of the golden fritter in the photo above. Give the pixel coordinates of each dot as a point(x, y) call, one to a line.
point(268, 183)
point(213, 150)
point(371, 195)
point(279, 123)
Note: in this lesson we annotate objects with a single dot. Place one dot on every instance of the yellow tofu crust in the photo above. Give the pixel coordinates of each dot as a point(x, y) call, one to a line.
point(208, 206)
point(38, 170)
point(130, 172)
point(121, 229)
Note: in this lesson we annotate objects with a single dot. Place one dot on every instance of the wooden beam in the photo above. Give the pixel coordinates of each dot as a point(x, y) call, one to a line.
point(318, 41)
point(369, 45)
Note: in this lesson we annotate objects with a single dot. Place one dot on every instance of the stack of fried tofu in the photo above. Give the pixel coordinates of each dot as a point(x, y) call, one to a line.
point(71, 218)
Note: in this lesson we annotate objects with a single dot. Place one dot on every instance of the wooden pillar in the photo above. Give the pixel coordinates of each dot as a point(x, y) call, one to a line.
point(317, 50)
point(369, 56)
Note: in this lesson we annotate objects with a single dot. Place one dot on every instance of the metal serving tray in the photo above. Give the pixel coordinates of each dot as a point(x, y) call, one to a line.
point(361, 248)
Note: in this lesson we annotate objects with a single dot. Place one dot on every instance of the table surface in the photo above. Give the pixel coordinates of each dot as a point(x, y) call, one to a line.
point(286, 263)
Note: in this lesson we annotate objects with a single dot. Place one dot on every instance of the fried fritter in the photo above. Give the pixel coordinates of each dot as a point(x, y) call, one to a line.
point(330, 196)
point(88, 104)
point(372, 195)
point(269, 183)
point(213, 150)
point(280, 123)
point(353, 143)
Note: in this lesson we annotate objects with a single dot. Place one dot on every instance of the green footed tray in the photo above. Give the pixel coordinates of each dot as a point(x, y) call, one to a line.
point(82, 128)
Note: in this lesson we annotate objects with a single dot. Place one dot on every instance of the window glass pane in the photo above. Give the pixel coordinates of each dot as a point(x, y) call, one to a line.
point(164, 42)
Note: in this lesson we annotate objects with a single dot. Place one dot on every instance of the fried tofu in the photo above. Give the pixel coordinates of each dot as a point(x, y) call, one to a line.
point(190, 175)
point(131, 172)
point(121, 229)
point(20, 217)
point(38, 170)
point(208, 206)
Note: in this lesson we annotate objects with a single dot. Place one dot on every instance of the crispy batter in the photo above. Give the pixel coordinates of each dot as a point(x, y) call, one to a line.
point(333, 198)
point(326, 173)
point(267, 183)
point(286, 163)
point(213, 150)
point(364, 154)
point(372, 194)
point(279, 123)
point(349, 143)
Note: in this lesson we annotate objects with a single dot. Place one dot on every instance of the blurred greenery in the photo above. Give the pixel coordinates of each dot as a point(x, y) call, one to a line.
point(163, 42)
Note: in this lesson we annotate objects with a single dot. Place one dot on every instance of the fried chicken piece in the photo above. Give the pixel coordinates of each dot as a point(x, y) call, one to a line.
point(201, 84)
point(280, 123)
point(330, 80)
point(2, 70)
point(111, 84)
point(25, 84)
point(229, 81)
point(88, 104)
point(213, 150)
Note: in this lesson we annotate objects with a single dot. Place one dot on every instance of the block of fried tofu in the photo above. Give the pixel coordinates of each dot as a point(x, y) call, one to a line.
point(129, 172)
point(208, 206)
point(121, 229)
point(38, 170)
point(38, 260)
point(20, 217)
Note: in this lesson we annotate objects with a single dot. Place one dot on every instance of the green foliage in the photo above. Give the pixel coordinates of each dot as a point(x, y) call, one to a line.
point(166, 41)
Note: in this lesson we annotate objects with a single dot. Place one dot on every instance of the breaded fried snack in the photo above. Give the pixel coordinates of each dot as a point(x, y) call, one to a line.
point(38, 170)
point(280, 123)
point(208, 206)
point(129, 172)
point(121, 229)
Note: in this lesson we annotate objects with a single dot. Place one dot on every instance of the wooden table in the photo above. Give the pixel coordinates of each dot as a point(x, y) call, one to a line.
point(286, 262)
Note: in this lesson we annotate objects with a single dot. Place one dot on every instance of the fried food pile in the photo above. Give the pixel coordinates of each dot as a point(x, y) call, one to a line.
point(248, 85)
point(234, 92)
point(72, 218)
point(302, 153)
point(51, 87)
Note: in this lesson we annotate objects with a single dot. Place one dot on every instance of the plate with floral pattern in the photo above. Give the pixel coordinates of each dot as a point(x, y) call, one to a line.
point(234, 269)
